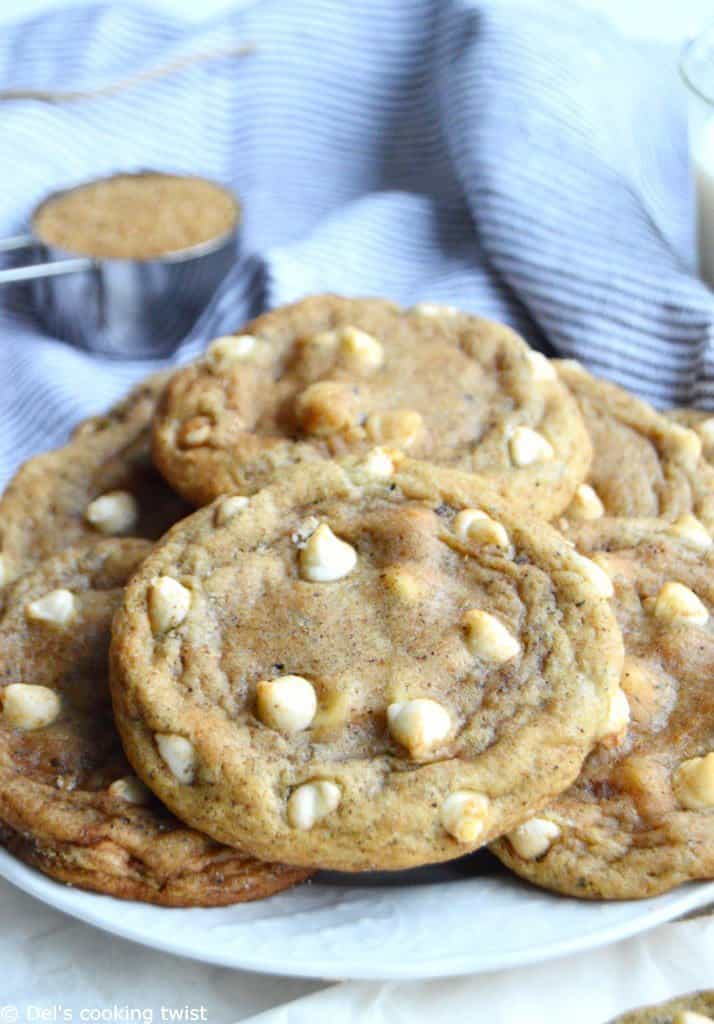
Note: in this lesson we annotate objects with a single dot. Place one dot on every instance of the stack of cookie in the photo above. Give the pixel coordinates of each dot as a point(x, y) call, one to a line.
point(439, 592)
point(693, 1008)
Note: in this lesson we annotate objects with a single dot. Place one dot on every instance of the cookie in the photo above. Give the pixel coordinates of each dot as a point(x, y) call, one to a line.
point(643, 465)
point(702, 423)
point(101, 483)
point(358, 669)
point(329, 377)
point(695, 1008)
point(640, 819)
point(69, 802)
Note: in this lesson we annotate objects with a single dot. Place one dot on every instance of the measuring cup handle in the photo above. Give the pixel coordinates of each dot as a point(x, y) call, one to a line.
point(16, 242)
point(54, 268)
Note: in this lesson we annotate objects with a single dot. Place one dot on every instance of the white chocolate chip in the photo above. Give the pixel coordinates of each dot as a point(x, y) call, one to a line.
point(379, 464)
point(688, 445)
point(360, 350)
point(618, 720)
point(677, 603)
point(527, 446)
point(131, 790)
point(179, 756)
point(488, 638)
point(230, 507)
point(693, 783)
point(400, 427)
point(644, 693)
point(464, 519)
point(322, 340)
point(434, 309)
point(325, 558)
point(541, 367)
point(287, 703)
point(705, 429)
point(112, 513)
point(419, 725)
point(230, 350)
point(689, 528)
point(586, 504)
point(463, 815)
point(534, 838)
point(690, 1017)
point(474, 525)
point(572, 366)
point(195, 432)
point(169, 602)
point(596, 576)
point(29, 707)
point(56, 608)
point(311, 802)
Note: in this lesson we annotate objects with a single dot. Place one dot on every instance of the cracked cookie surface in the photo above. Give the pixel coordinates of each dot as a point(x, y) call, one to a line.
point(330, 376)
point(360, 670)
point(640, 819)
point(643, 465)
point(70, 804)
point(101, 483)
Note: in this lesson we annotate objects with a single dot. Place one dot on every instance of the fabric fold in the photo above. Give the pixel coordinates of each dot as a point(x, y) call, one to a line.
point(524, 162)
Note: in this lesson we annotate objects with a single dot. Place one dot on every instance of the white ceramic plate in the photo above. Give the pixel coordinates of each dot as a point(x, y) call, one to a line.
point(464, 917)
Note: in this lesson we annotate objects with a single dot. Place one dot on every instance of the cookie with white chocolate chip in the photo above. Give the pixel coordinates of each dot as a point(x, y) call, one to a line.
point(330, 376)
point(100, 484)
point(643, 464)
point(69, 802)
point(695, 1008)
point(640, 819)
point(354, 670)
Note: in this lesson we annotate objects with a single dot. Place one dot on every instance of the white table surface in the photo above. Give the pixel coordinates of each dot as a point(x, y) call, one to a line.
point(54, 965)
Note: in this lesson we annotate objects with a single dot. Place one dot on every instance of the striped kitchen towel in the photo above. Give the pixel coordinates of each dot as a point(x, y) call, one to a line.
point(521, 160)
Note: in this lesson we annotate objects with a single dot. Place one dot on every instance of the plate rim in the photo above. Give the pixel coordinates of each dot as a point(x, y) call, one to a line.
point(88, 910)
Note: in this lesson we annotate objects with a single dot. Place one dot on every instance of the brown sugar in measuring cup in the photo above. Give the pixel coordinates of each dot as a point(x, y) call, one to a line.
point(136, 216)
point(128, 263)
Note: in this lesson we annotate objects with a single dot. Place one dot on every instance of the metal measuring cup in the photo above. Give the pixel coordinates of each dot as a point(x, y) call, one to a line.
point(119, 307)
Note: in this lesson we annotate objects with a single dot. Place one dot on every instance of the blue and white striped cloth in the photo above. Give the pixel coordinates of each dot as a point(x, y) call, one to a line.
point(521, 160)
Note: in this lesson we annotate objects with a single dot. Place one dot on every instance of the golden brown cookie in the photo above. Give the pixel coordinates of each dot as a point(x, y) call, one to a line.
point(329, 377)
point(640, 819)
point(695, 1008)
point(69, 802)
point(358, 669)
point(643, 464)
point(101, 483)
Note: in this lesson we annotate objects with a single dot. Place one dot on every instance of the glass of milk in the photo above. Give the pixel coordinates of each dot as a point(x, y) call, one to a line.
point(697, 67)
